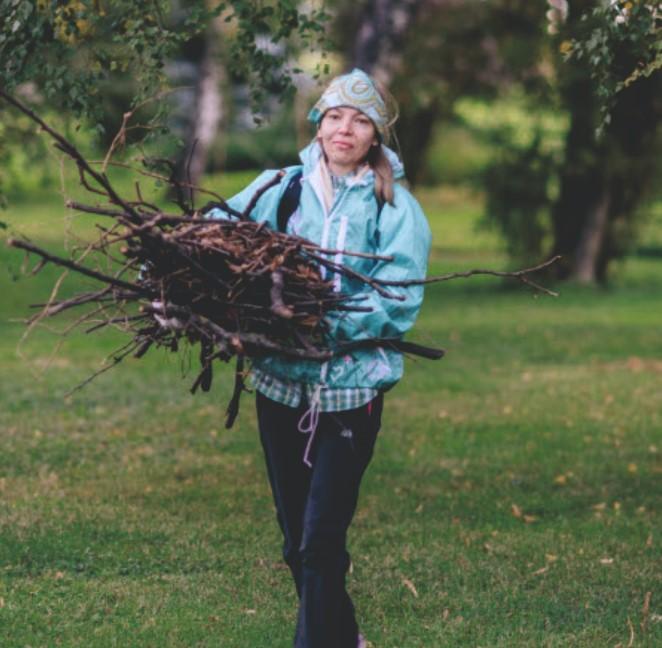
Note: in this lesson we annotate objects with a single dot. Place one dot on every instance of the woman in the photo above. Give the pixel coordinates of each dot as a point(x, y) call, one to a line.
point(318, 422)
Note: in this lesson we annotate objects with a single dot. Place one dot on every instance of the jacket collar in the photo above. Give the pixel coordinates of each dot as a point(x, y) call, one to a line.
point(317, 173)
point(310, 157)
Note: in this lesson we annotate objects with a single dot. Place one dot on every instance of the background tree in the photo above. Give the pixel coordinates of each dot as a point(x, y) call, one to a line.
point(614, 135)
point(68, 52)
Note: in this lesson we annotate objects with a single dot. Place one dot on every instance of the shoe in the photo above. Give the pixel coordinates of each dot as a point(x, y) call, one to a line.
point(361, 643)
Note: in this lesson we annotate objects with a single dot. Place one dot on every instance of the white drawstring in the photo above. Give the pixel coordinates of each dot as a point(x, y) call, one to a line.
point(308, 423)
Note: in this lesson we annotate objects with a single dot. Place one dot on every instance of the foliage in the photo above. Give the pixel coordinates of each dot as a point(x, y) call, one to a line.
point(619, 42)
point(68, 54)
point(68, 48)
point(520, 176)
point(270, 146)
point(518, 198)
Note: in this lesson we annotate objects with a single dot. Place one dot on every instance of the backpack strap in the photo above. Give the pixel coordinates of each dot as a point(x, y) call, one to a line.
point(289, 201)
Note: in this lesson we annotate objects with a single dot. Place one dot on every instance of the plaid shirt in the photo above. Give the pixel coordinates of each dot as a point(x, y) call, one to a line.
point(292, 393)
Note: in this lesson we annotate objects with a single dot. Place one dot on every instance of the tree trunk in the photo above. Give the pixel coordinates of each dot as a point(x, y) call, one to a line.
point(208, 114)
point(417, 122)
point(381, 35)
point(581, 177)
point(592, 240)
point(604, 181)
point(203, 112)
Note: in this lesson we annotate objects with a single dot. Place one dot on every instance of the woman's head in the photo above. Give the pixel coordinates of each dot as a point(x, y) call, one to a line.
point(353, 119)
point(346, 135)
point(359, 91)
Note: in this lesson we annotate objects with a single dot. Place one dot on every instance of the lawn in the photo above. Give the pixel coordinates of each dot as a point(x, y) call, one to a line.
point(514, 498)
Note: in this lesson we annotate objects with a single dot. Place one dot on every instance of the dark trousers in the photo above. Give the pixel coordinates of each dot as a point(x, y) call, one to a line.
point(315, 507)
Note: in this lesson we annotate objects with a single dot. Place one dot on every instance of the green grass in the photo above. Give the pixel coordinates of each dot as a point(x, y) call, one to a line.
point(515, 486)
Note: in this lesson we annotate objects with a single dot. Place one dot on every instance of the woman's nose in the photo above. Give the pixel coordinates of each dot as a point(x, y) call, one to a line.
point(346, 126)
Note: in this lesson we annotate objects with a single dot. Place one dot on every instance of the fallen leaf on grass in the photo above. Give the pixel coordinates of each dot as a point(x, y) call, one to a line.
point(445, 614)
point(645, 611)
point(551, 557)
point(561, 480)
point(632, 468)
point(649, 541)
point(2, 602)
point(410, 586)
point(250, 611)
point(599, 507)
point(519, 514)
point(630, 626)
point(606, 561)
point(542, 570)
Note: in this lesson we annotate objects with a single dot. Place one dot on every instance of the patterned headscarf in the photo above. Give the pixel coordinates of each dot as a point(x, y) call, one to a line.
point(355, 90)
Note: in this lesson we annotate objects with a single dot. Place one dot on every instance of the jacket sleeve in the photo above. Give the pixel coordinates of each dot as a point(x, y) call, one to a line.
point(404, 234)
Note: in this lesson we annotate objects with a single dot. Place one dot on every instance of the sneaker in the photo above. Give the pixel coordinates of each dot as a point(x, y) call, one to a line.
point(361, 643)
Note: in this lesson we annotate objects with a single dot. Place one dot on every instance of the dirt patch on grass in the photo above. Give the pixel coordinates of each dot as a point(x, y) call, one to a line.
point(634, 364)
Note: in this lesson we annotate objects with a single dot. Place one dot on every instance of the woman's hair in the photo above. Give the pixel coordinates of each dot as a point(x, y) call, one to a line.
point(376, 157)
point(383, 174)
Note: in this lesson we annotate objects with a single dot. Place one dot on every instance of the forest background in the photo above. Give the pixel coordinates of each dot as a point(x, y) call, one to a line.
point(515, 497)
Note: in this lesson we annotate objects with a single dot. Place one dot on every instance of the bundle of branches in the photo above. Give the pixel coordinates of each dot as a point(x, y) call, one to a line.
point(230, 287)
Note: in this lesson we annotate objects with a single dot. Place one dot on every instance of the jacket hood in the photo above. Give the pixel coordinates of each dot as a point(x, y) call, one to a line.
point(311, 155)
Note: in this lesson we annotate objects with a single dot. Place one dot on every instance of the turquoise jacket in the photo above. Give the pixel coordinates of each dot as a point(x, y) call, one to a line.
point(352, 224)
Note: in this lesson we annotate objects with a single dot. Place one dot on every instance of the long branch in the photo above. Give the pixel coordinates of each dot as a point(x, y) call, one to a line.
point(103, 211)
point(258, 194)
point(515, 274)
point(72, 265)
point(77, 300)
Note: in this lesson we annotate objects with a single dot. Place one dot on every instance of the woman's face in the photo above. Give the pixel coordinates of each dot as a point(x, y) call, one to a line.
point(346, 135)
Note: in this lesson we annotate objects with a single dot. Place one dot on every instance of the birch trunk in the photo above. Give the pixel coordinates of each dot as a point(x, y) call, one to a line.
point(208, 114)
point(200, 110)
